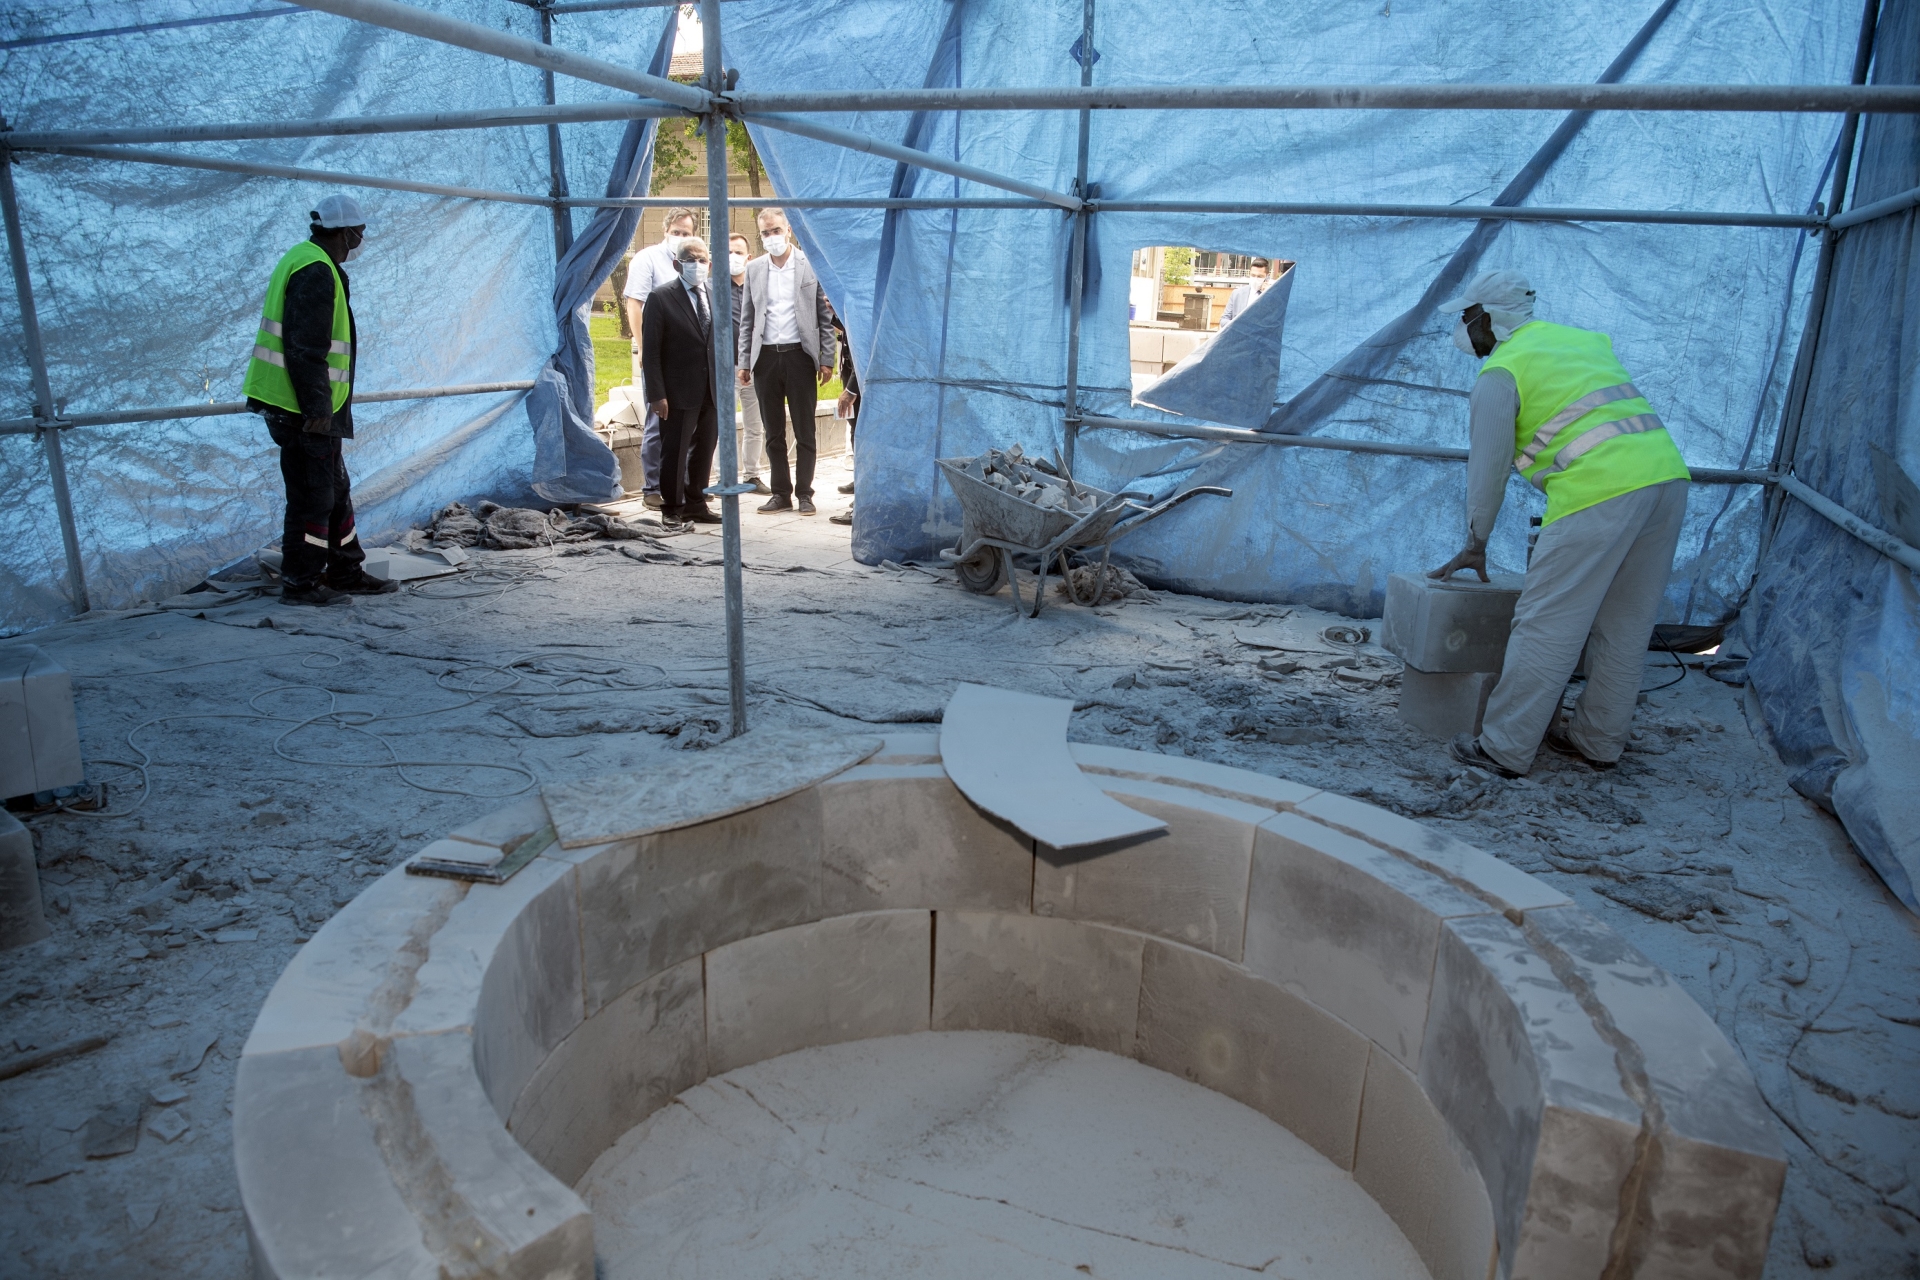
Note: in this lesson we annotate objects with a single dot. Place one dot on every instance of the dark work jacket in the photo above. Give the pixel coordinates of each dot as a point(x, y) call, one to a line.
point(307, 321)
point(676, 355)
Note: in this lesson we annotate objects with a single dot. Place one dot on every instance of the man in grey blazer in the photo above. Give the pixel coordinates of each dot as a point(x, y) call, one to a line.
point(786, 352)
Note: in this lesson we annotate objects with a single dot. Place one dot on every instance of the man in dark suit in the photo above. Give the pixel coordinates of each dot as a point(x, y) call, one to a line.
point(786, 352)
point(676, 358)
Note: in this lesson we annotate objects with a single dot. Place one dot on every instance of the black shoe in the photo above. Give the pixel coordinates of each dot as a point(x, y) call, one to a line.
point(778, 502)
point(759, 485)
point(699, 515)
point(319, 593)
point(362, 583)
point(844, 517)
point(806, 506)
point(651, 500)
point(1467, 750)
point(847, 487)
point(1559, 740)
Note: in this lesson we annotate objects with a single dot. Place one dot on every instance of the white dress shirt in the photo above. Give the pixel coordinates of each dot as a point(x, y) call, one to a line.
point(652, 267)
point(783, 323)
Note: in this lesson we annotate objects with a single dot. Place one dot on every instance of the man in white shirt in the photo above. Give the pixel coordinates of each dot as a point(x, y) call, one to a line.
point(653, 266)
point(1242, 298)
point(786, 351)
point(753, 443)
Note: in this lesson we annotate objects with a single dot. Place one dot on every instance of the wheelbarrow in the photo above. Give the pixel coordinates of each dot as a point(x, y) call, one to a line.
point(996, 526)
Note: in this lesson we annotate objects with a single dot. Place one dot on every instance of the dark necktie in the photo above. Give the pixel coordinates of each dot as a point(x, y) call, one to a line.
point(700, 305)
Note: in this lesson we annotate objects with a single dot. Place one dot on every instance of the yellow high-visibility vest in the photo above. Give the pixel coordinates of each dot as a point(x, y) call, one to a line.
point(267, 372)
point(1584, 433)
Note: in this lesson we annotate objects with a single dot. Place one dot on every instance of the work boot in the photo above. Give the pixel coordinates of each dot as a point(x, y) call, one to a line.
point(1466, 748)
point(317, 593)
point(1560, 740)
point(847, 487)
point(362, 583)
point(778, 502)
point(841, 517)
point(806, 507)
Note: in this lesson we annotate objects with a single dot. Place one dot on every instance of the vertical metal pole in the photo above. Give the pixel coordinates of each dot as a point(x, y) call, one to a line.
point(1077, 253)
point(556, 162)
point(43, 409)
point(721, 304)
point(1787, 444)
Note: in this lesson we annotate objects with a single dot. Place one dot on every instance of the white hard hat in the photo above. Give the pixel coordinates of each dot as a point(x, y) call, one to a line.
point(1496, 291)
point(338, 211)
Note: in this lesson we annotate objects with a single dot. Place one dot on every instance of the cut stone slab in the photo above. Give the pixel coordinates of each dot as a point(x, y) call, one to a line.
point(1442, 704)
point(744, 773)
point(1067, 981)
point(1458, 624)
point(113, 1131)
point(1008, 753)
point(22, 918)
point(1222, 780)
point(167, 1125)
point(391, 565)
point(39, 731)
point(903, 836)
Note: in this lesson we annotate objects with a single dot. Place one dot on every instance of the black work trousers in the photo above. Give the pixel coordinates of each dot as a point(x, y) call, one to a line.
point(319, 543)
point(688, 438)
point(788, 386)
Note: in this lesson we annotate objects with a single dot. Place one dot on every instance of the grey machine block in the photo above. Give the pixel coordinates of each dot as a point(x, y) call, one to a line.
point(39, 735)
point(21, 917)
point(1451, 626)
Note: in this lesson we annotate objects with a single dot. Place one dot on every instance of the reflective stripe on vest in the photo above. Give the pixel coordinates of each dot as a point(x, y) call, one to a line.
point(1583, 432)
point(267, 379)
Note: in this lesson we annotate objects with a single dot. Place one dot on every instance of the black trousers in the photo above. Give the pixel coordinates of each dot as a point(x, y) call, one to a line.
point(688, 438)
point(319, 541)
point(788, 386)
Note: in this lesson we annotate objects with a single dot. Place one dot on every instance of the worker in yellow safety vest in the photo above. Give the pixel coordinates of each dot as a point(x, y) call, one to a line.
point(1555, 403)
point(300, 380)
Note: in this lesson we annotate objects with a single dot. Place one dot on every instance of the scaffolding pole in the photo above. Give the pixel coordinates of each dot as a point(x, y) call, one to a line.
point(908, 155)
point(720, 307)
point(556, 163)
point(1077, 251)
point(1820, 99)
point(1878, 209)
point(45, 410)
point(1465, 212)
point(135, 155)
point(471, 35)
point(24, 426)
point(344, 126)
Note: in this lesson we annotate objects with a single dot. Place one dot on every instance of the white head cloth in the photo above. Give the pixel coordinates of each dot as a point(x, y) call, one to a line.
point(1506, 295)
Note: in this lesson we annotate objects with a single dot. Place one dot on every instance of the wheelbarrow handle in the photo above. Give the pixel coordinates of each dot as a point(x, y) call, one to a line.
point(1144, 514)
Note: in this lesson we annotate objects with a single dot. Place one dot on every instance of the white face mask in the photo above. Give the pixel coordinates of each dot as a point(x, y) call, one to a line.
point(693, 274)
point(736, 263)
point(1464, 340)
point(354, 252)
point(776, 244)
point(673, 242)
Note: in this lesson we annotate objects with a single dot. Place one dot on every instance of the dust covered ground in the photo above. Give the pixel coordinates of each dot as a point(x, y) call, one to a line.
point(274, 798)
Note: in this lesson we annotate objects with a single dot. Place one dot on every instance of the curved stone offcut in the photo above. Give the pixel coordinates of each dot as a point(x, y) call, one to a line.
point(756, 768)
point(1007, 752)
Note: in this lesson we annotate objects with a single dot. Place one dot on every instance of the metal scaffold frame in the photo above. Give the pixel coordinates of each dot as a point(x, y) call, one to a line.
point(715, 101)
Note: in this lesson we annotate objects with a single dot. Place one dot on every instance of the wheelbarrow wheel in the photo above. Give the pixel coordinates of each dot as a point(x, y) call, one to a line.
point(982, 572)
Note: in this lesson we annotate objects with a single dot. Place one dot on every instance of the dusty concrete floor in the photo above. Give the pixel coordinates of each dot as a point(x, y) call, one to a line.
point(592, 658)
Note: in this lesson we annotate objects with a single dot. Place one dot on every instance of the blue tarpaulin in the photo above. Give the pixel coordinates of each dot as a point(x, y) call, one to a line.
point(149, 283)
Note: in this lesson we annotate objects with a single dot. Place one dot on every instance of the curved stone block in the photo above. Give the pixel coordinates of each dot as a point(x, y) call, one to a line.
point(850, 978)
point(1217, 1025)
point(1008, 752)
point(1411, 1163)
point(904, 836)
point(1350, 927)
point(617, 1068)
point(1188, 883)
point(1204, 776)
point(1075, 983)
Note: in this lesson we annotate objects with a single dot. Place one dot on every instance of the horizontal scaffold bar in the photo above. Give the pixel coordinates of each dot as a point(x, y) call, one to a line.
point(925, 160)
point(26, 426)
point(1815, 98)
point(1879, 539)
point(1878, 209)
point(811, 202)
point(347, 126)
point(1443, 453)
point(135, 155)
point(501, 44)
point(1468, 212)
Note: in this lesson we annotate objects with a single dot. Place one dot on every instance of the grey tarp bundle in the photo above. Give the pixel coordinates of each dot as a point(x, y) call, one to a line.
point(1834, 625)
point(570, 461)
point(149, 279)
point(1232, 377)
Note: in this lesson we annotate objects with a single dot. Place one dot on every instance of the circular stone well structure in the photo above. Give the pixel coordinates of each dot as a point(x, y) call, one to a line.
point(1520, 1092)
